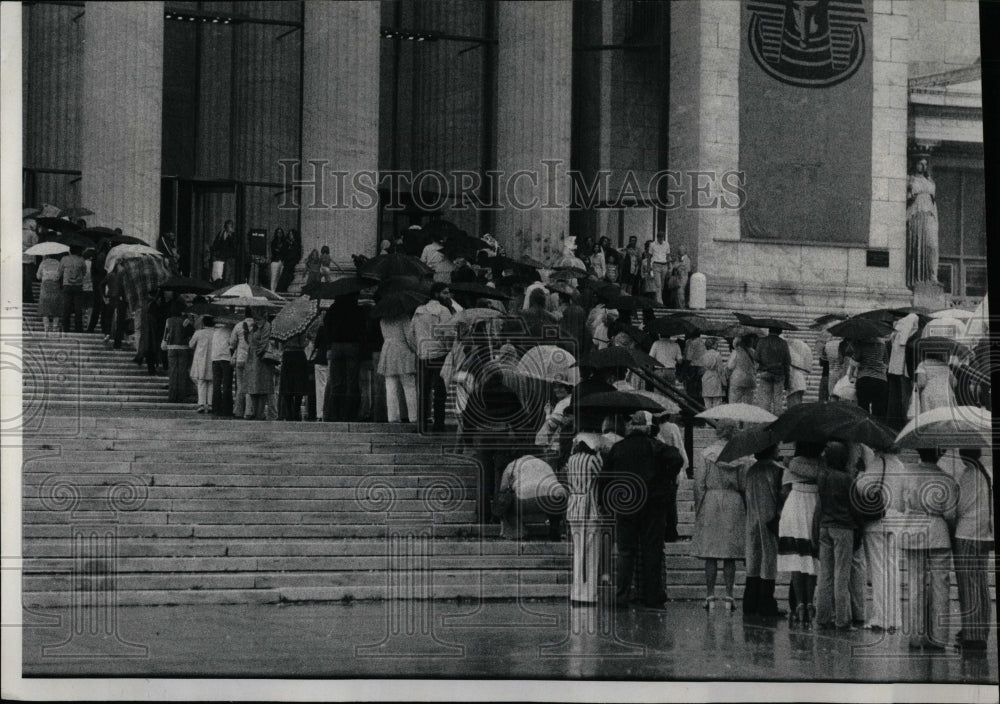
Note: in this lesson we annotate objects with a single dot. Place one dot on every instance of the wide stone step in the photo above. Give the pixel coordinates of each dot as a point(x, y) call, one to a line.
point(245, 462)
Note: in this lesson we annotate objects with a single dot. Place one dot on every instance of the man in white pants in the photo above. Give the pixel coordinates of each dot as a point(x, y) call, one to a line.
point(660, 251)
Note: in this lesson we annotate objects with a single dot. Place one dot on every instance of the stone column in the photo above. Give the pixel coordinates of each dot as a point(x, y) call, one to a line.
point(534, 94)
point(340, 127)
point(122, 117)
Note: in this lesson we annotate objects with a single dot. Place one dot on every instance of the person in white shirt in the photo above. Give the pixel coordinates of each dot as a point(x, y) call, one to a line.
point(659, 249)
point(433, 340)
point(900, 384)
point(667, 352)
point(537, 495)
point(434, 257)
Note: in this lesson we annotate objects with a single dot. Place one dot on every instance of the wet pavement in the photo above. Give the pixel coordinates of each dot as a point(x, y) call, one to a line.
point(527, 640)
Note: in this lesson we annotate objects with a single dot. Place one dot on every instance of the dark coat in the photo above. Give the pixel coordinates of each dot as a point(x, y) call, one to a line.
point(649, 467)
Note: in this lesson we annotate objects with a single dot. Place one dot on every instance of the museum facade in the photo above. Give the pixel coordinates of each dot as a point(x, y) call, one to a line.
point(771, 138)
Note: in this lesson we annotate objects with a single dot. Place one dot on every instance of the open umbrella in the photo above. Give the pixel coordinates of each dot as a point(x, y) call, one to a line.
point(58, 225)
point(764, 322)
point(185, 284)
point(560, 287)
point(99, 232)
point(620, 302)
point(748, 442)
point(836, 420)
point(73, 239)
point(294, 318)
point(957, 313)
point(478, 291)
point(825, 321)
point(568, 272)
point(501, 262)
point(29, 212)
point(859, 328)
point(732, 331)
point(129, 251)
point(619, 402)
point(669, 406)
point(611, 357)
point(534, 263)
point(944, 327)
point(385, 265)
point(245, 291)
point(75, 212)
point(398, 303)
point(125, 239)
point(549, 363)
point(949, 426)
point(465, 319)
point(740, 412)
point(341, 287)
point(249, 301)
point(890, 315)
point(668, 327)
point(631, 330)
point(45, 248)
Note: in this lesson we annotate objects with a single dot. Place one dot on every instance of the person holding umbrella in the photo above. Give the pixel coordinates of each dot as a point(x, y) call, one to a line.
point(432, 350)
point(762, 492)
point(720, 516)
point(239, 344)
point(973, 542)
point(176, 334)
point(797, 550)
point(72, 271)
point(583, 515)
point(742, 370)
point(632, 485)
point(872, 384)
point(397, 364)
point(774, 363)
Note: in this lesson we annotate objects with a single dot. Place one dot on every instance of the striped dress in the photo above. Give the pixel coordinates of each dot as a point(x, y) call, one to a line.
point(582, 515)
point(797, 550)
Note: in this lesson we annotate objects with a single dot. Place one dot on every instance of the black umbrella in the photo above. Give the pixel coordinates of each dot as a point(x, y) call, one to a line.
point(405, 283)
point(619, 402)
point(126, 239)
point(565, 273)
point(398, 303)
point(764, 322)
point(611, 357)
point(99, 233)
point(835, 420)
point(890, 315)
point(825, 320)
point(385, 265)
point(668, 327)
point(748, 442)
point(478, 291)
point(73, 239)
point(58, 225)
point(632, 303)
point(517, 280)
point(860, 328)
point(75, 212)
point(185, 284)
point(340, 287)
point(501, 263)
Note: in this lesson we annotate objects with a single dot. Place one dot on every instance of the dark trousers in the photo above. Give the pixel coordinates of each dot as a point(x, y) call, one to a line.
point(343, 393)
point(670, 534)
point(120, 312)
point(898, 402)
point(639, 535)
point(290, 407)
point(27, 277)
point(431, 383)
point(101, 313)
point(222, 388)
point(873, 396)
point(971, 560)
point(72, 306)
point(493, 455)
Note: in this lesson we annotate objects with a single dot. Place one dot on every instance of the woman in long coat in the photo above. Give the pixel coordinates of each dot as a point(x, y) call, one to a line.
point(398, 364)
point(176, 334)
point(742, 366)
point(583, 517)
point(259, 373)
point(720, 515)
point(711, 379)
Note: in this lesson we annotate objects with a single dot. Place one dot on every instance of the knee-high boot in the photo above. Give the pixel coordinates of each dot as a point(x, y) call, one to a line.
point(751, 596)
point(768, 605)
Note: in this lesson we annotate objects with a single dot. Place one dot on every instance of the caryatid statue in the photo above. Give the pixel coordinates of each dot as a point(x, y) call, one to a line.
point(921, 224)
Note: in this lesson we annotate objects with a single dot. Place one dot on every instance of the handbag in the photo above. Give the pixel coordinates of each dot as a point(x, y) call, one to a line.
point(271, 354)
point(844, 389)
point(868, 504)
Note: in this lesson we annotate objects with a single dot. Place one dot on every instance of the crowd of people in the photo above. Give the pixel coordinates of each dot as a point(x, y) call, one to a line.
point(548, 461)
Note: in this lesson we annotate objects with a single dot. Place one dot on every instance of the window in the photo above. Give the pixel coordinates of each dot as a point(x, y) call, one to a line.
point(961, 201)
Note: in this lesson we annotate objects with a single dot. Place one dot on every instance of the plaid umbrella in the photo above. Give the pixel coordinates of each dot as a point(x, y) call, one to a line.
point(129, 251)
point(139, 276)
point(294, 318)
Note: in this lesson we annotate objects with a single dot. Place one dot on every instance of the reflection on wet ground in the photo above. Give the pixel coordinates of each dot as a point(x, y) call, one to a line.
point(532, 639)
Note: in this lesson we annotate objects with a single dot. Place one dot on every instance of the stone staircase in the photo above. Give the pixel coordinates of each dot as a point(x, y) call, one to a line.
point(123, 490)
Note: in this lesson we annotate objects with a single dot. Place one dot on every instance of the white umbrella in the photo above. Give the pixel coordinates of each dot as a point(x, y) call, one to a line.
point(949, 327)
point(957, 313)
point(247, 291)
point(45, 248)
point(949, 426)
point(740, 412)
